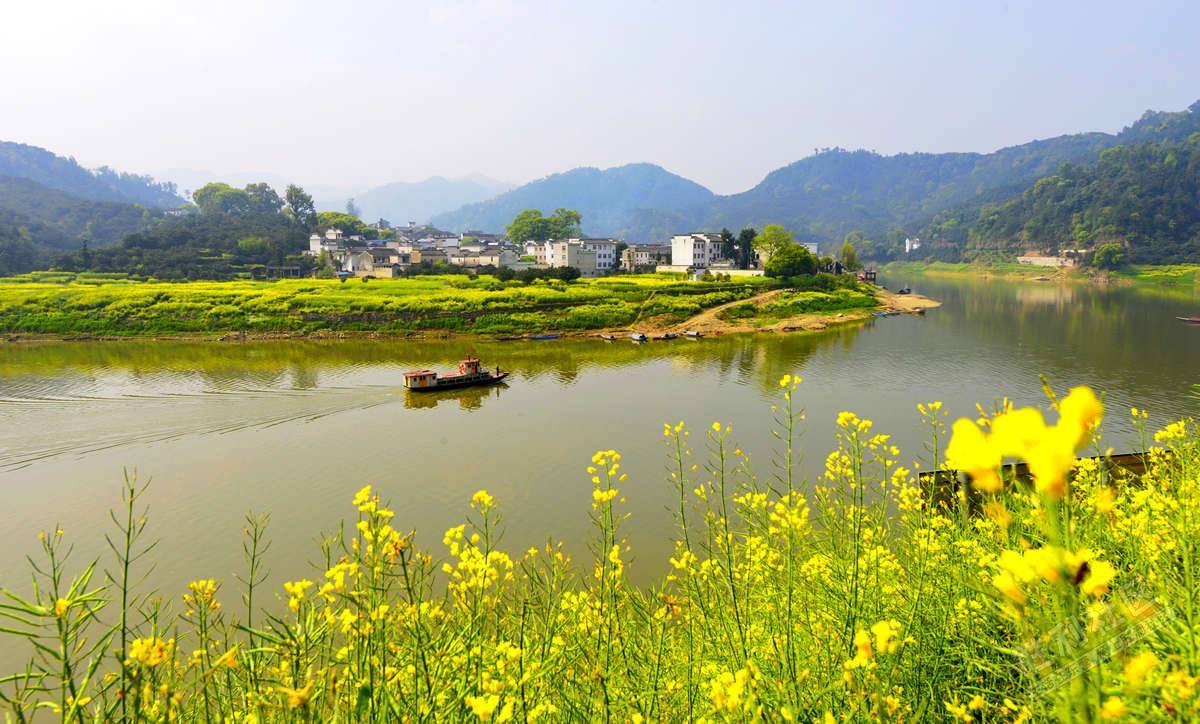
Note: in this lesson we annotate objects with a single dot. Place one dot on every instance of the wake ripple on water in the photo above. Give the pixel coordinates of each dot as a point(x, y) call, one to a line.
point(82, 424)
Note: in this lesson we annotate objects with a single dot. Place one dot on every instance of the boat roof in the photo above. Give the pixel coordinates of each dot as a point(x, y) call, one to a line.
point(419, 372)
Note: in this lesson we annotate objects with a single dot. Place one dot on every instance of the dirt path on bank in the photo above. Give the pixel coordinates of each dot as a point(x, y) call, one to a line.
point(708, 322)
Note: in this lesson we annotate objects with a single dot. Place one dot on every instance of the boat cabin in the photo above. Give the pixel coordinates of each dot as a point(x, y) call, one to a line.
point(420, 379)
point(469, 366)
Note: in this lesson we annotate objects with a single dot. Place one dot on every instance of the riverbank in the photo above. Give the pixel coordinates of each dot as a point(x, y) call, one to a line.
point(33, 310)
point(1184, 275)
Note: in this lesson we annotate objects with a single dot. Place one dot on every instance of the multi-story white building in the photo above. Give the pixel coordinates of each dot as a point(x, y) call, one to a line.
point(605, 250)
point(571, 252)
point(697, 250)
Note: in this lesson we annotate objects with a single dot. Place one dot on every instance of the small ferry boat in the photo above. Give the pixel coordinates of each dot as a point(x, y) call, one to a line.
point(637, 336)
point(469, 375)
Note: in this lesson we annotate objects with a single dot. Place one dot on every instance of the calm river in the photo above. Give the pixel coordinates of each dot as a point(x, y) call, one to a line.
point(295, 428)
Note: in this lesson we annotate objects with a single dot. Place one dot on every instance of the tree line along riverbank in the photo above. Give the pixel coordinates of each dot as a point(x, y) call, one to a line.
point(99, 306)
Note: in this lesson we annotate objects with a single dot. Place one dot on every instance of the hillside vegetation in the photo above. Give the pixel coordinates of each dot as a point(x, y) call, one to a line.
point(65, 174)
point(1144, 196)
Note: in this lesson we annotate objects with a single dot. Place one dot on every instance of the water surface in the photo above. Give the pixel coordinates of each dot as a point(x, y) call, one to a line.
point(295, 428)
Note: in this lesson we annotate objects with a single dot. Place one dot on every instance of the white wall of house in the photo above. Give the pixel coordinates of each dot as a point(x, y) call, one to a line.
point(695, 250)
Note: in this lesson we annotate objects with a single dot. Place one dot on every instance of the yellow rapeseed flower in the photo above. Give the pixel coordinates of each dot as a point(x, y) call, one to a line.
point(61, 606)
point(482, 706)
point(1113, 708)
point(971, 452)
point(482, 499)
point(1137, 668)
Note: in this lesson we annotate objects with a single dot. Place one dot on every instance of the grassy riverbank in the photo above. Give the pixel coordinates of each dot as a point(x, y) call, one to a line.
point(1173, 275)
point(865, 594)
point(74, 306)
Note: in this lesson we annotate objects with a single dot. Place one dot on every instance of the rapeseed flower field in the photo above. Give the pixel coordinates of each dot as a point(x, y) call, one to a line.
point(874, 592)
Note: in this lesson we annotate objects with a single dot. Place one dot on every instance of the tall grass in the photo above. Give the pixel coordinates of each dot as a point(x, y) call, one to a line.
point(868, 593)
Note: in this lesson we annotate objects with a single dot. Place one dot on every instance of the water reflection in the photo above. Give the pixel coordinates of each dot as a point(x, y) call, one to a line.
point(468, 399)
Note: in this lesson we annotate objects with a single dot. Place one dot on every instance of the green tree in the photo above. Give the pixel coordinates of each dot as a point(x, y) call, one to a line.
point(300, 206)
point(350, 225)
point(1109, 256)
point(791, 260)
point(745, 246)
point(530, 225)
point(566, 223)
point(218, 197)
point(263, 199)
point(849, 255)
point(772, 239)
point(728, 245)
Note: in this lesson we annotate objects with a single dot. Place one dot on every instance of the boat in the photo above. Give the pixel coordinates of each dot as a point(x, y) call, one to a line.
point(904, 290)
point(542, 337)
point(1193, 320)
point(637, 336)
point(608, 337)
point(667, 336)
point(470, 374)
point(693, 334)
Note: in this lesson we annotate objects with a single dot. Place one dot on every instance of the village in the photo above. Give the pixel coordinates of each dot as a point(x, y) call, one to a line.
point(694, 253)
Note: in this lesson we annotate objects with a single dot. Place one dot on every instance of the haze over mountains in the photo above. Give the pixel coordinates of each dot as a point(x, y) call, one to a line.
point(821, 197)
point(51, 203)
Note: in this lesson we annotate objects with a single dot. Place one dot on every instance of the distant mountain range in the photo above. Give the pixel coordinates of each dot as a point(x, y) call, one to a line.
point(633, 200)
point(65, 174)
point(821, 197)
point(420, 201)
point(958, 201)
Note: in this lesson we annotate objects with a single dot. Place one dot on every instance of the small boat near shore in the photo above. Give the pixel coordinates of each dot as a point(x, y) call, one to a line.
point(637, 336)
point(470, 374)
point(667, 336)
point(693, 334)
point(1190, 320)
point(608, 337)
point(542, 337)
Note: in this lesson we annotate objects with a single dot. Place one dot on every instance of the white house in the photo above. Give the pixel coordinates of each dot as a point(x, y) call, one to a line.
point(605, 251)
point(571, 252)
point(697, 250)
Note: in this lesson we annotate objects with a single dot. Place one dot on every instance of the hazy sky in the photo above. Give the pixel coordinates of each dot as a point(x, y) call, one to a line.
point(354, 94)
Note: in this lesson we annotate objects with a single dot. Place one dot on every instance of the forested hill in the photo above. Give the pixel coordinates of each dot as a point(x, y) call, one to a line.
point(610, 201)
point(822, 197)
point(38, 223)
point(102, 184)
point(1145, 196)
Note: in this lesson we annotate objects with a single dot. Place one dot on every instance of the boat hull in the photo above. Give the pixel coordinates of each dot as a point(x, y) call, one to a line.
point(452, 384)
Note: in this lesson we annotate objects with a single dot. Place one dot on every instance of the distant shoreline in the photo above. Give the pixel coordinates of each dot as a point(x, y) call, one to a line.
point(1170, 274)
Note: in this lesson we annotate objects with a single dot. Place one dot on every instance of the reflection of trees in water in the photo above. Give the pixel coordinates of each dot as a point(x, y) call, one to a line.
point(265, 364)
point(468, 398)
point(1070, 328)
